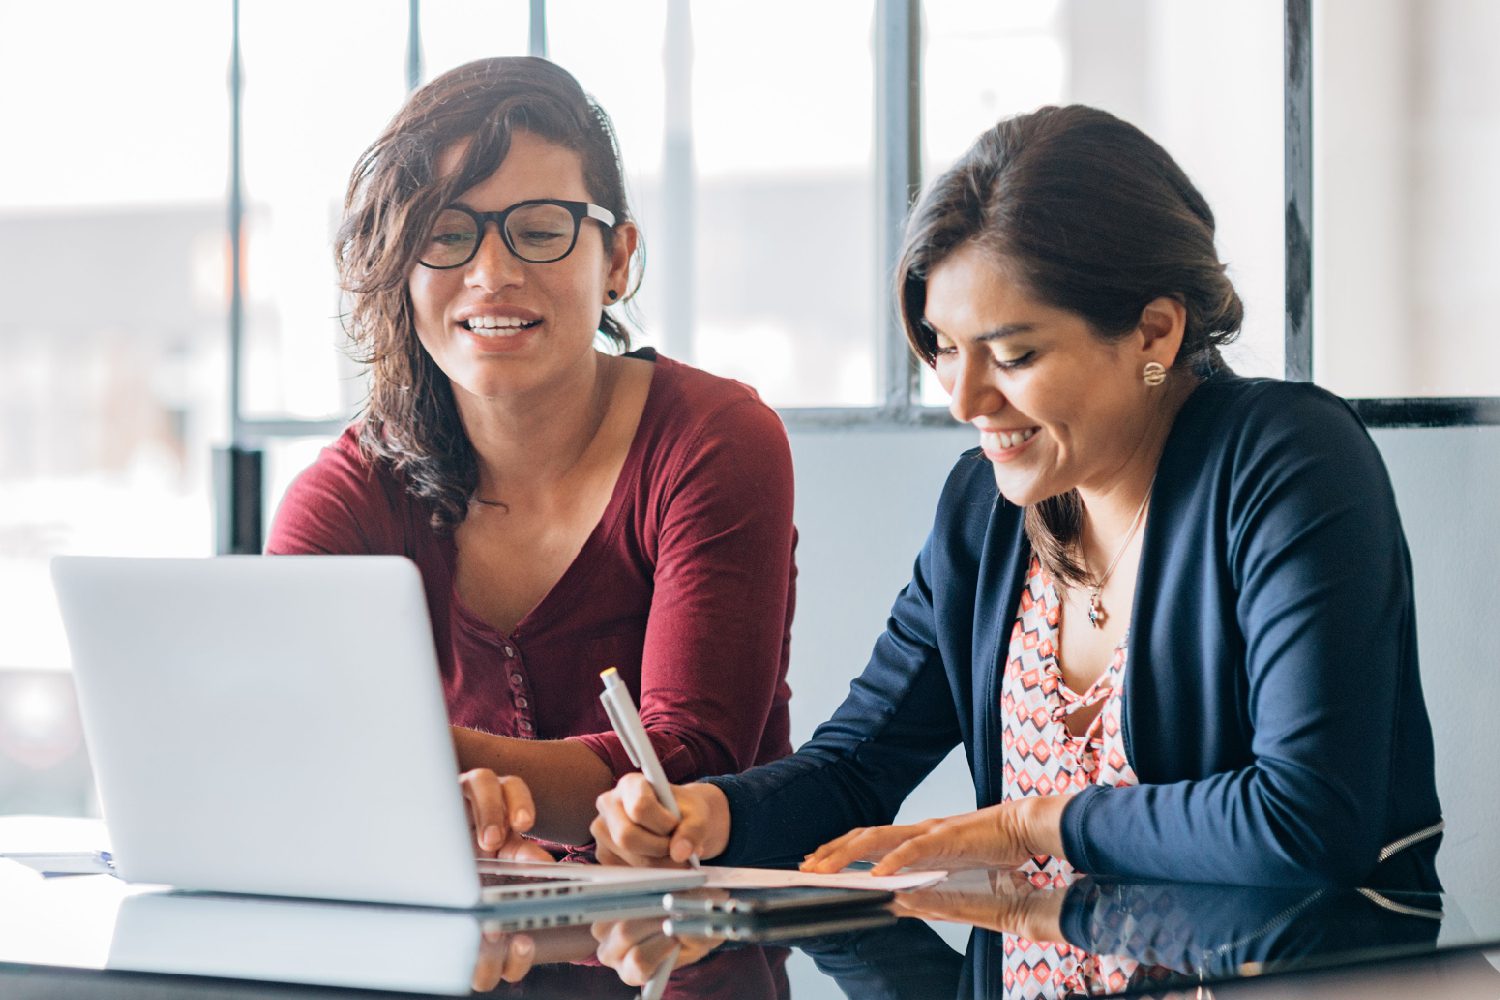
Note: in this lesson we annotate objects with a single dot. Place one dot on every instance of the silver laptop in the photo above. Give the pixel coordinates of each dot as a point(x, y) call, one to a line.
point(275, 725)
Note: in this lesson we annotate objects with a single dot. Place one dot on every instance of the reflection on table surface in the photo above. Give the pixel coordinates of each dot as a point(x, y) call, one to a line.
point(978, 934)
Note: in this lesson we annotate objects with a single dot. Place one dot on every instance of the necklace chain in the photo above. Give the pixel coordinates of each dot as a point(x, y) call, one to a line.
point(1096, 609)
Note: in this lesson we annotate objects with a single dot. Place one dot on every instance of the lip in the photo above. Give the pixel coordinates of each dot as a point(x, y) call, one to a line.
point(987, 439)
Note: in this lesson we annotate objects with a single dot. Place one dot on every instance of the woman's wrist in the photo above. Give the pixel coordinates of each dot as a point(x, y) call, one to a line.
point(1040, 916)
point(1041, 824)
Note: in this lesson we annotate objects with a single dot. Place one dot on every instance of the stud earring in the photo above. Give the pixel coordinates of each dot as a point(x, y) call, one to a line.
point(612, 294)
point(1153, 373)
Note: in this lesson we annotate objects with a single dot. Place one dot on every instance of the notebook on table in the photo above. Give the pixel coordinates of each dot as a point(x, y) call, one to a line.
point(276, 726)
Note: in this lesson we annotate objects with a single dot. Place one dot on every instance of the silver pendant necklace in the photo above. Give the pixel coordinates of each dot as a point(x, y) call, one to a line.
point(1097, 614)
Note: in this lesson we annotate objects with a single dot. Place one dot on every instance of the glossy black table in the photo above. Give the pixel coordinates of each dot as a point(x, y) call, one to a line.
point(977, 935)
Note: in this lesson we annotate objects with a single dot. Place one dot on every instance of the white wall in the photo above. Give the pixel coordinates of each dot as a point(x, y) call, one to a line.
point(1447, 481)
point(865, 500)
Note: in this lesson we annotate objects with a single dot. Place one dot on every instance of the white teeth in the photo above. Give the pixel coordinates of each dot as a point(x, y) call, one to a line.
point(498, 326)
point(1008, 439)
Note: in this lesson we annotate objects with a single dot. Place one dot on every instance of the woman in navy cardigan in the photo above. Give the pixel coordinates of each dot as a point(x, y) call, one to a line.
point(1167, 611)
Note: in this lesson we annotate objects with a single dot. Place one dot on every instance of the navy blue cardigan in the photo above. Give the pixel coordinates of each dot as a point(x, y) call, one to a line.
point(1272, 706)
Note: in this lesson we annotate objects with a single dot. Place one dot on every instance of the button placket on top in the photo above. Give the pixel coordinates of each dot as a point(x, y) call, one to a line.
point(519, 696)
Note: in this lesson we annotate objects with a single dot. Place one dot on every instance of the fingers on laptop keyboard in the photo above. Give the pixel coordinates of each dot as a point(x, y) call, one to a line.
point(500, 809)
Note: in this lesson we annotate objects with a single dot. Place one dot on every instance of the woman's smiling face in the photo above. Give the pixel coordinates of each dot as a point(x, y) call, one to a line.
point(499, 325)
point(1057, 407)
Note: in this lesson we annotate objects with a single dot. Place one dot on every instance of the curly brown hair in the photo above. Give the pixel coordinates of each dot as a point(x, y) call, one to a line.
point(1092, 216)
point(410, 422)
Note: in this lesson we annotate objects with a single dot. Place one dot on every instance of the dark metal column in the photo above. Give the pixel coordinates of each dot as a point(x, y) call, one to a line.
point(238, 501)
point(1299, 190)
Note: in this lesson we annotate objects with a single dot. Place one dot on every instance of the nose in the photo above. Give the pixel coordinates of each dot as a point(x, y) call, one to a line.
point(493, 266)
point(974, 392)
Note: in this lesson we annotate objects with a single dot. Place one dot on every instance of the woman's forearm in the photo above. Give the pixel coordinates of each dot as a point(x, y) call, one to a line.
point(564, 776)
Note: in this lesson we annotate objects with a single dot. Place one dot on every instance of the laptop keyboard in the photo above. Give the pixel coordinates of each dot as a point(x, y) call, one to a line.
point(552, 882)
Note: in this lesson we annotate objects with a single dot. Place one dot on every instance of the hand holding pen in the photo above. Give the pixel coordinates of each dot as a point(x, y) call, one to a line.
point(645, 820)
point(643, 955)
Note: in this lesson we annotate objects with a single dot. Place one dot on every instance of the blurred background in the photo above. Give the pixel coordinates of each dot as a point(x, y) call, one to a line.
point(758, 139)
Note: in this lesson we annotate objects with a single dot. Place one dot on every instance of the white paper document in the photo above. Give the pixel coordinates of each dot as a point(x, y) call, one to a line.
point(65, 863)
point(775, 878)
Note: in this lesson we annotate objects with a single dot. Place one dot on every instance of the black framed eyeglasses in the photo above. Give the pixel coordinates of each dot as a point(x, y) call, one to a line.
point(540, 231)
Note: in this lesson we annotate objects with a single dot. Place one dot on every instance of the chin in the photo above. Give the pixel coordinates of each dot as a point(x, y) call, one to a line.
point(1023, 494)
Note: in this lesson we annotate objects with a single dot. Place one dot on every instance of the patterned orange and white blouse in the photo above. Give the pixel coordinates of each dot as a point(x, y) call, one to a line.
point(1041, 757)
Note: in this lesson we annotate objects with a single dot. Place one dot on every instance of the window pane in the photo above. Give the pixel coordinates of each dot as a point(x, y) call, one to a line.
point(1406, 225)
point(112, 248)
point(982, 61)
point(285, 458)
point(755, 188)
point(308, 113)
point(1152, 63)
point(458, 31)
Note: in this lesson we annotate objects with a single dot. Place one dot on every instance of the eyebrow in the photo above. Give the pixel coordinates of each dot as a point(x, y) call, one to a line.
point(999, 333)
point(470, 208)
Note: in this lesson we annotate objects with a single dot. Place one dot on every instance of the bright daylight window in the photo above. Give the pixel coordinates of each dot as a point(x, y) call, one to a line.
point(755, 188)
point(307, 115)
point(1406, 224)
point(1146, 63)
point(112, 348)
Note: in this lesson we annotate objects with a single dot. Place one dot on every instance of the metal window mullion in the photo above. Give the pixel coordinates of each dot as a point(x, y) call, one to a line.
point(898, 111)
point(236, 316)
point(238, 490)
point(413, 44)
point(537, 35)
point(677, 264)
point(1298, 121)
point(261, 430)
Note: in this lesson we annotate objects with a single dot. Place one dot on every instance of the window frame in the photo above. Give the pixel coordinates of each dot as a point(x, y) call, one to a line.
point(239, 499)
point(1376, 412)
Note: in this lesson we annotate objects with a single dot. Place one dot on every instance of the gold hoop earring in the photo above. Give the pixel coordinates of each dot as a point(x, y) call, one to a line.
point(1153, 373)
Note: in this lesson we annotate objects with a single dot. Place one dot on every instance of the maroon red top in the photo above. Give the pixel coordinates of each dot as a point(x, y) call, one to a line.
point(685, 585)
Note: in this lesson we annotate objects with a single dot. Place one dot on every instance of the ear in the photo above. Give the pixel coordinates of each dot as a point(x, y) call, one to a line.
point(1163, 323)
point(627, 238)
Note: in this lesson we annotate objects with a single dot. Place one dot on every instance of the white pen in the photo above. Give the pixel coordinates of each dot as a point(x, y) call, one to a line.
point(627, 725)
point(656, 987)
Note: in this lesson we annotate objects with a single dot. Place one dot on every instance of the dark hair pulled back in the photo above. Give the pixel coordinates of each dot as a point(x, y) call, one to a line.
point(1090, 215)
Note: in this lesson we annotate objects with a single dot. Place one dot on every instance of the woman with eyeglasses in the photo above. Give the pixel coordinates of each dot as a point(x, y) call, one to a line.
point(572, 505)
point(1167, 611)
